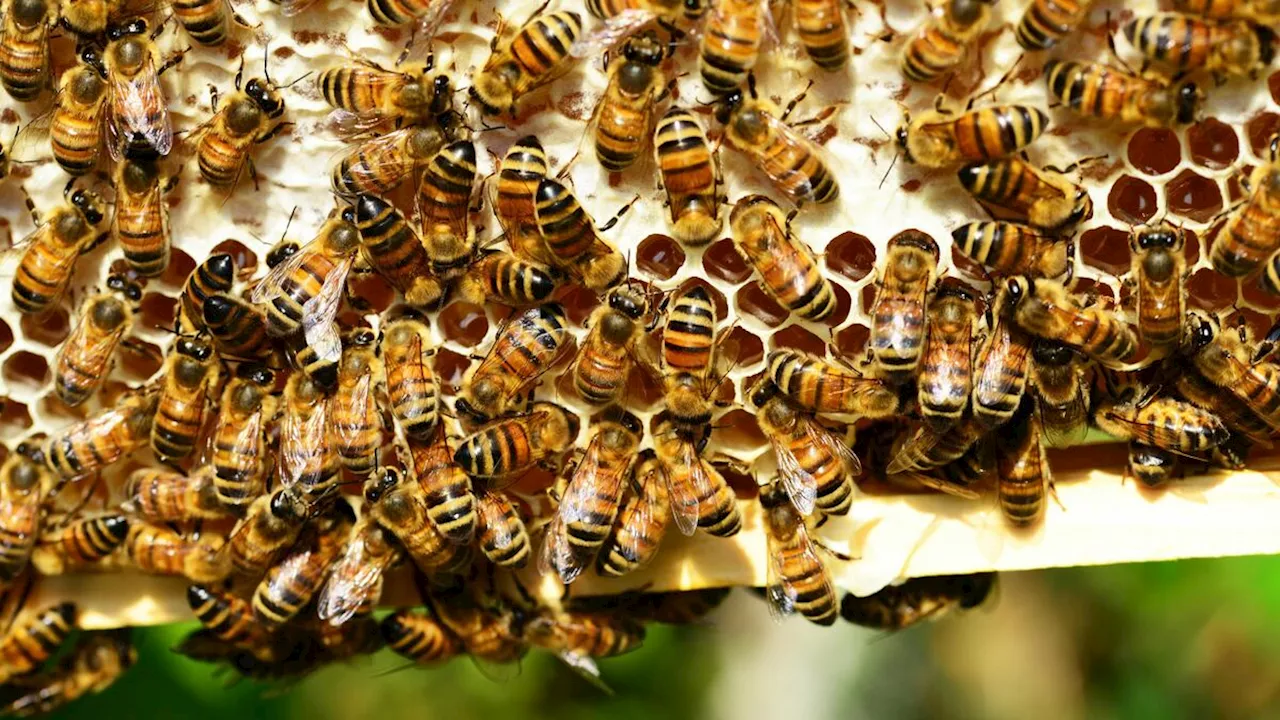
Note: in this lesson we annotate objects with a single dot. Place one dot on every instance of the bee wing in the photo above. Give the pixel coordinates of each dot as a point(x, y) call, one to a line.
point(383, 147)
point(613, 31)
point(685, 503)
point(282, 580)
point(768, 25)
point(800, 484)
point(31, 137)
point(642, 516)
point(269, 287)
point(319, 313)
point(779, 592)
point(430, 21)
point(290, 8)
point(1069, 436)
point(348, 125)
point(133, 101)
point(823, 437)
point(309, 433)
point(14, 511)
point(558, 556)
point(353, 579)
point(491, 514)
point(358, 398)
point(921, 441)
point(93, 351)
point(936, 483)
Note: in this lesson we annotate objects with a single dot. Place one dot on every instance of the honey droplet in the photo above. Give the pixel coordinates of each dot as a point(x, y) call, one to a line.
point(1260, 128)
point(852, 255)
point(1209, 290)
point(245, 259)
point(722, 261)
point(370, 292)
point(643, 390)
point(180, 266)
point(6, 336)
point(844, 303)
point(26, 368)
point(49, 328)
point(578, 303)
point(912, 185)
point(158, 311)
point(450, 368)
point(1192, 196)
point(464, 323)
point(14, 416)
point(753, 300)
point(660, 256)
point(1131, 200)
point(750, 350)
point(1213, 143)
point(797, 338)
point(1106, 248)
point(533, 482)
point(852, 341)
point(1154, 151)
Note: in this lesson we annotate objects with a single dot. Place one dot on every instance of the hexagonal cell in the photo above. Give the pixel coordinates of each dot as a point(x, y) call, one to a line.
point(6, 335)
point(754, 301)
point(797, 338)
point(1106, 248)
point(1131, 200)
point(140, 360)
point(159, 311)
point(1259, 130)
point(1213, 143)
point(744, 487)
point(245, 259)
point(851, 342)
point(1210, 290)
point(578, 303)
point(660, 256)
point(1154, 151)
point(1193, 196)
point(738, 430)
point(450, 368)
point(844, 304)
point(852, 255)
point(1092, 292)
point(49, 328)
point(369, 292)
point(15, 418)
point(722, 260)
point(1192, 246)
point(1253, 294)
point(26, 369)
point(749, 349)
point(464, 323)
point(51, 406)
point(180, 267)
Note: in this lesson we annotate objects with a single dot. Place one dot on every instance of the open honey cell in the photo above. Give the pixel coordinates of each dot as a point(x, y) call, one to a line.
point(1193, 196)
point(369, 292)
point(659, 256)
point(578, 303)
point(180, 266)
point(26, 370)
point(737, 430)
point(1210, 290)
point(1154, 151)
point(851, 254)
point(1273, 85)
point(844, 305)
point(246, 260)
point(722, 260)
point(746, 345)
point(450, 368)
point(1105, 248)
point(140, 360)
point(6, 335)
point(158, 311)
point(1213, 143)
point(464, 323)
point(795, 337)
point(14, 416)
point(1131, 200)
point(752, 300)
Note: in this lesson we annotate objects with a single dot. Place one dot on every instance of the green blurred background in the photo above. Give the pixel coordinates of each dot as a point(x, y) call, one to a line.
point(1190, 639)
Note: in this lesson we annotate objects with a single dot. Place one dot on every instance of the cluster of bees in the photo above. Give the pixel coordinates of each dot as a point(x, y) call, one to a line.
point(267, 406)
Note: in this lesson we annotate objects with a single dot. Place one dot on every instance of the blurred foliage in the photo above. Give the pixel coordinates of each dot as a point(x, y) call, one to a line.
point(1188, 639)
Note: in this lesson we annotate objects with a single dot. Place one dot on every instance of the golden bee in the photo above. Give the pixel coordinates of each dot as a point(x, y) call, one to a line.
point(380, 163)
point(814, 464)
point(393, 248)
point(535, 55)
point(307, 456)
point(88, 18)
point(207, 22)
point(624, 117)
point(1042, 197)
point(446, 489)
point(798, 580)
point(700, 496)
point(1234, 413)
point(243, 119)
point(411, 385)
point(513, 197)
point(141, 220)
point(526, 346)
point(787, 266)
point(898, 317)
point(239, 456)
point(138, 125)
point(96, 661)
point(1149, 465)
point(167, 496)
point(103, 439)
point(1248, 239)
point(1223, 358)
point(290, 584)
point(690, 10)
point(577, 638)
point(50, 252)
point(1263, 12)
point(32, 640)
point(591, 500)
point(305, 291)
point(227, 617)
point(944, 41)
point(946, 367)
point(191, 372)
point(426, 14)
point(76, 122)
point(1183, 43)
point(942, 138)
point(732, 35)
point(1061, 392)
point(269, 527)
point(24, 47)
point(923, 449)
point(419, 637)
point(79, 544)
point(355, 581)
point(161, 551)
point(354, 417)
point(823, 31)
point(1001, 368)
point(487, 627)
point(1159, 269)
point(792, 162)
point(369, 95)
point(444, 209)
point(690, 174)
point(1104, 92)
point(1011, 249)
point(88, 354)
point(214, 276)
point(642, 520)
point(237, 328)
point(690, 362)
point(1022, 471)
point(609, 352)
point(1046, 22)
point(500, 531)
point(506, 448)
point(23, 483)
point(572, 240)
point(1161, 422)
point(684, 607)
point(399, 505)
point(1045, 309)
point(497, 276)
point(822, 386)
point(899, 607)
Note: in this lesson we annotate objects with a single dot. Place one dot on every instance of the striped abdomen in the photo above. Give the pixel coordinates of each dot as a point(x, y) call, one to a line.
point(1252, 235)
point(791, 275)
point(1097, 90)
point(497, 450)
point(101, 440)
point(24, 57)
point(1175, 39)
point(141, 223)
point(30, 643)
point(451, 505)
point(1000, 376)
point(523, 168)
point(411, 385)
point(44, 271)
point(689, 335)
point(823, 31)
point(221, 155)
point(795, 166)
point(206, 21)
point(528, 347)
point(731, 41)
point(625, 116)
point(997, 131)
point(1022, 473)
point(284, 311)
point(718, 512)
point(228, 617)
point(500, 532)
point(541, 48)
point(86, 541)
point(419, 637)
point(815, 597)
point(1045, 22)
point(564, 225)
point(357, 89)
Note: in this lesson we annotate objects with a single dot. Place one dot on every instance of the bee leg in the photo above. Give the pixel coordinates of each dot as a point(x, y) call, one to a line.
point(213, 99)
point(253, 174)
point(31, 205)
point(830, 550)
point(618, 215)
point(240, 72)
point(172, 61)
point(796, 101)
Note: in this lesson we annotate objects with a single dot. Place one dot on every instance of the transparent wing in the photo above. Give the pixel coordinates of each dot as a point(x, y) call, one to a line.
point(359, 398)
point(779, 593)
point(800, 484)
point(585, 667)
point(558, 554)
point(290, 8)
point(688, 487)
point(33, 137)
point(138, 111)
point(283, 580)
point(306, 434)
point(1060, 434)
point(431, 20)
point(612, 32)
point(768, 26)
point(499, 672)
point(269, 288)
point(319, 313)
point(921, 442)
point(354, 580)
point(348, 125)
point(639, 514)
point(836, 445)
point(247, 441)
point(384, 151)
point(93, 351)
point(491, 509)
point(935, 483)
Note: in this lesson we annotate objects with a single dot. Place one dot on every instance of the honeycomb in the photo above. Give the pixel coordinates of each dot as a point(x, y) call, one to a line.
point(1188, 176)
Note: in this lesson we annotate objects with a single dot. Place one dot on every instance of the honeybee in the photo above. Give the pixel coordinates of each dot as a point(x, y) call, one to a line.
point(642, 520)
point(489, 631)
point(214, 276)
point(269, 527)
point(240, 438)
point(590, 501)
point(941, 138)
point(1269, 278)
point(191, 372)
point(1151, 466)
point(791, 161)
point(419, 637)
point(504, 278)
point(401, 506)
point(1011, 249)
point(1234, 414)
point(380, 163)
point(141, 219)
point(88, 18)
point(944, 41)
point(23, 482)
point(1043, 308)
point(79, 544)
point(243, 119)
point(426, 14)
point(681, 607)
point(690, 174)
point(30, 642)
point(535, 55)
point(898, 319)
point(690, 10)
point(786, 264)
point(820, 386)
point(167, 496)
point(237, 328)
point(946, 368)
point(308, 457)
point(291, 583)
point(96, 661)
point(924, 449)
point(444, 198)
point(1158, 270)
point(700, 496)
point(624, 117)
point(369, 95)
point(1263, 12)
point(815, 465)
point(732, 36)
point(798, 580)
point(75, 125)
point(161, 551)
point(505, 448)
point(92, 444)
point(446, 489)
point(1104, 92)
point(138, 119)
point(1046, 22)
point(521, 171)
point(1224, 48)
point(1062, 395)
point(1249, 236)
point(85, 359)
point(393, 248)
point(1161, 422)
point(1044, 198)
point(305, 290)
point(525, 347)
point(1223, 359)
point(355, 582)
point(691, 372)
point(1022, 471)
point(500, 531)
point(1001, 368)
point(228, 618)
point(354, 415)
point(899, 607)
point(412, 389)
point(51, 250)
point(207, 22)
point(572, 240)
point(24, 47)
point(606, 356)
point(579, 637)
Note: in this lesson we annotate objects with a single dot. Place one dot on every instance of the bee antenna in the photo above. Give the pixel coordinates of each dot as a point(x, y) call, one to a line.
point(266, 55)
point(879, 126)
point(889, 170)
point(288, 223)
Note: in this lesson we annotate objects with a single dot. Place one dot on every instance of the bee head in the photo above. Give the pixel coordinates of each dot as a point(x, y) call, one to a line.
point(1017, 288)
point(264, 95)
point(124, 286)
point(763, 391)
point(136, 26)
point(287, 505)
point(901, 137)
point(1200, 330)
point(194, 348)
point(728, 104)
point(627, 302)
point(89, 205)
point(91, 56)
point(1189, 98)
point(384, 480)
point(256, 373)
